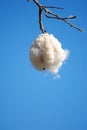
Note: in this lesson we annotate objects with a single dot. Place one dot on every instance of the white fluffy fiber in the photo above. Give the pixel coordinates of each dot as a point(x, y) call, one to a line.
point(47, 53)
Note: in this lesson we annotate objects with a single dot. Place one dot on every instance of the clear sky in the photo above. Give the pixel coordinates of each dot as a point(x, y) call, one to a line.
point(32, 100)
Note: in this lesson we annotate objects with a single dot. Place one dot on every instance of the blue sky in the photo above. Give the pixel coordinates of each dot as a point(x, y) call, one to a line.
point(32, 100)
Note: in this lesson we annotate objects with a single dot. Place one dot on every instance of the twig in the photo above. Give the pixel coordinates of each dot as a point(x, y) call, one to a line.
point(59, 18)
point(53, 7)
point(50, 14)
point(40, 21)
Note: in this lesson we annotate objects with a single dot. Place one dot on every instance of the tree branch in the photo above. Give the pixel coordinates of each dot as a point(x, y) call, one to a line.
point(50, 14)
point(59, 18)
point(53, 7)
point(40, 21)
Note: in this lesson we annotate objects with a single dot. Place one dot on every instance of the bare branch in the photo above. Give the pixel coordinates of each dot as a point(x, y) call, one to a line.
point(37, 3)
point(40, 21)
point(72, 25)
point(50, 14)
point(59, 18)
point(53, 7)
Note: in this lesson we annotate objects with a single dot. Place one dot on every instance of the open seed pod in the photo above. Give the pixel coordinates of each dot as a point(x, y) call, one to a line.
point(46, 53)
